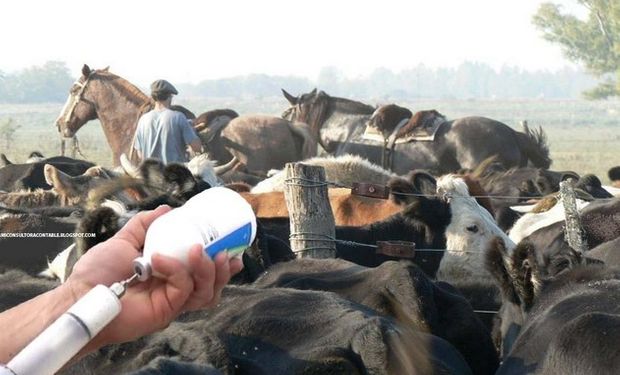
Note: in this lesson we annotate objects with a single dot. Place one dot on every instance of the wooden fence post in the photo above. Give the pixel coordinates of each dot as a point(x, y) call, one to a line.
point(313, 228)
point(573, 231)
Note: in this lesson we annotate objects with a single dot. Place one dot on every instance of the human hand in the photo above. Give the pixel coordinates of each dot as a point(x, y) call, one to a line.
point(149, 306)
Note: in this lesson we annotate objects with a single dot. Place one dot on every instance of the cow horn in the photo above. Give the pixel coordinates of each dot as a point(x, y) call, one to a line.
point(226, 167)
point(129, 168)
point(50, 173)
point(58, 179)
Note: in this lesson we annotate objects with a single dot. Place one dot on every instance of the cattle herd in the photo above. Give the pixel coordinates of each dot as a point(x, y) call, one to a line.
point(493, 287)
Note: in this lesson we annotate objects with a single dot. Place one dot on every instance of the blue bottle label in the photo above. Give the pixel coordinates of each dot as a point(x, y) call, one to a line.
point(234, 243)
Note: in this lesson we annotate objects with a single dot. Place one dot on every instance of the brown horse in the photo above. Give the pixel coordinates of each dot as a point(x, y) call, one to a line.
point(108, 97)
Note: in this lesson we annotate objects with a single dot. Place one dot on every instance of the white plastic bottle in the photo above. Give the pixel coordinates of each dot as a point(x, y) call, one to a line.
point(218, 218)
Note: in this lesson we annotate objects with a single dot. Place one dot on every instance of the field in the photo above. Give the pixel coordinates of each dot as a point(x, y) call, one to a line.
point(583, 136)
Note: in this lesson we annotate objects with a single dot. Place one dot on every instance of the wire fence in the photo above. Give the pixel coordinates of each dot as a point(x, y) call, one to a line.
point(314, 237)
point(307, 236)
point(312, 183)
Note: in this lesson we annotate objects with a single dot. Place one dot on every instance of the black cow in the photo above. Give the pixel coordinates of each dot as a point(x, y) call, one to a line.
point(614, 176)
point(520, 184)
point(592, 185)
point(395, 228)
point(17, 286)
point(607, 252)
point(400, 290)
point(31, 176)
point(566, 324)
point(285, 331)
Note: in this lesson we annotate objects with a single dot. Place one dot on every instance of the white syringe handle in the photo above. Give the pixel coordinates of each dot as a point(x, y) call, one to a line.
point(62, 340)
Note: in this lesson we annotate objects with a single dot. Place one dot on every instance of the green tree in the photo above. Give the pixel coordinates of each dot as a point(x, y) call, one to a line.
point(7, 132)
point(594, 42)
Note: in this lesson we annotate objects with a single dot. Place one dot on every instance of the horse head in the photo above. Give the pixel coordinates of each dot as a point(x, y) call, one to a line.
point(310, 108)
point(80, 106)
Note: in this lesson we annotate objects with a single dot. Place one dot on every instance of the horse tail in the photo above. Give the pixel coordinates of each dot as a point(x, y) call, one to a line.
point(533, 146)
point(303, 132)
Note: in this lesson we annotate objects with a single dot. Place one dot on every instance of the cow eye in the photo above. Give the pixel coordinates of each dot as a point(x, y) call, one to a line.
point(473, 228)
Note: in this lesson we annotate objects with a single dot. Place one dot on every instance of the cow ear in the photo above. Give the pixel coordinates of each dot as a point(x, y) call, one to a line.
point(291, 99)
point(106, 69)
point(4, 161)
point(313, 92)
point(86, 70)
point(424, 182)
point(60, 181)
point(399, 190)
point(497, 263)
point(525, 274)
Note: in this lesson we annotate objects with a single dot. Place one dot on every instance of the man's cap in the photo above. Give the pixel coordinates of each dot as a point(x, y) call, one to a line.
point(161, 86)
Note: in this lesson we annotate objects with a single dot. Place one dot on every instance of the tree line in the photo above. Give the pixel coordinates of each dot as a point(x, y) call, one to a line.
point(470, 80)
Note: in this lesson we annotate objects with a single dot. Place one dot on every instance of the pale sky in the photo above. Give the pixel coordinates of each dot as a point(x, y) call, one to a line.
point(188, 41)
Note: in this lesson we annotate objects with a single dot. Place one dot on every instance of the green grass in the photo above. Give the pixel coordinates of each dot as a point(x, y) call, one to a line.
point(583, 136)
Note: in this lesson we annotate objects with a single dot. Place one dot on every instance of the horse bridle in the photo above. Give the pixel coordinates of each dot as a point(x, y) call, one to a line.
point(76, 98)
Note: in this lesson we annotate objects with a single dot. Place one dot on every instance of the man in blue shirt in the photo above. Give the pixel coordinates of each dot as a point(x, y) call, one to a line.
point(163, 133)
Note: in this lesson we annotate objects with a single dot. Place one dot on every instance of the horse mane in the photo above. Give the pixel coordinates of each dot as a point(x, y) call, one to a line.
point(128, 90)
point(350, 106)
point(419, 119)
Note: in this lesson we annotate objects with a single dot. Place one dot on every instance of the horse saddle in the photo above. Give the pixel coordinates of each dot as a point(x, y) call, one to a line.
point(400, 134)
point(424, 132)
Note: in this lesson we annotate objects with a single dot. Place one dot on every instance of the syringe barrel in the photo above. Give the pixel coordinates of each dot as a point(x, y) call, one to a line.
point(64, 338)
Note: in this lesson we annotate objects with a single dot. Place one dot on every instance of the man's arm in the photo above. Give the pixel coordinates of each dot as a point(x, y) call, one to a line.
point(190, 137)
point(23, 323)
point(196, 146)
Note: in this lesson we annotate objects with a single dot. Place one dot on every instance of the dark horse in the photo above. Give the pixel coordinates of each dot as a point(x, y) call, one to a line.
point(459, 144)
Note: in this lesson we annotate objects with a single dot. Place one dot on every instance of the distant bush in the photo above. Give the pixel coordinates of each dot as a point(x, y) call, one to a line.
point(37, 84)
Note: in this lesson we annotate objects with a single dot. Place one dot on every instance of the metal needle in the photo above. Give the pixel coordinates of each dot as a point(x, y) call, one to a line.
point(119, 288)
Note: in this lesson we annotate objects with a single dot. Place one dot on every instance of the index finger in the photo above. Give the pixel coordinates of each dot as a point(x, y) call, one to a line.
point(134, 231)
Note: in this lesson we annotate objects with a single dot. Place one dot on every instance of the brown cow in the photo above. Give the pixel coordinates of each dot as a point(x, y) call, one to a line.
point(348, 210)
